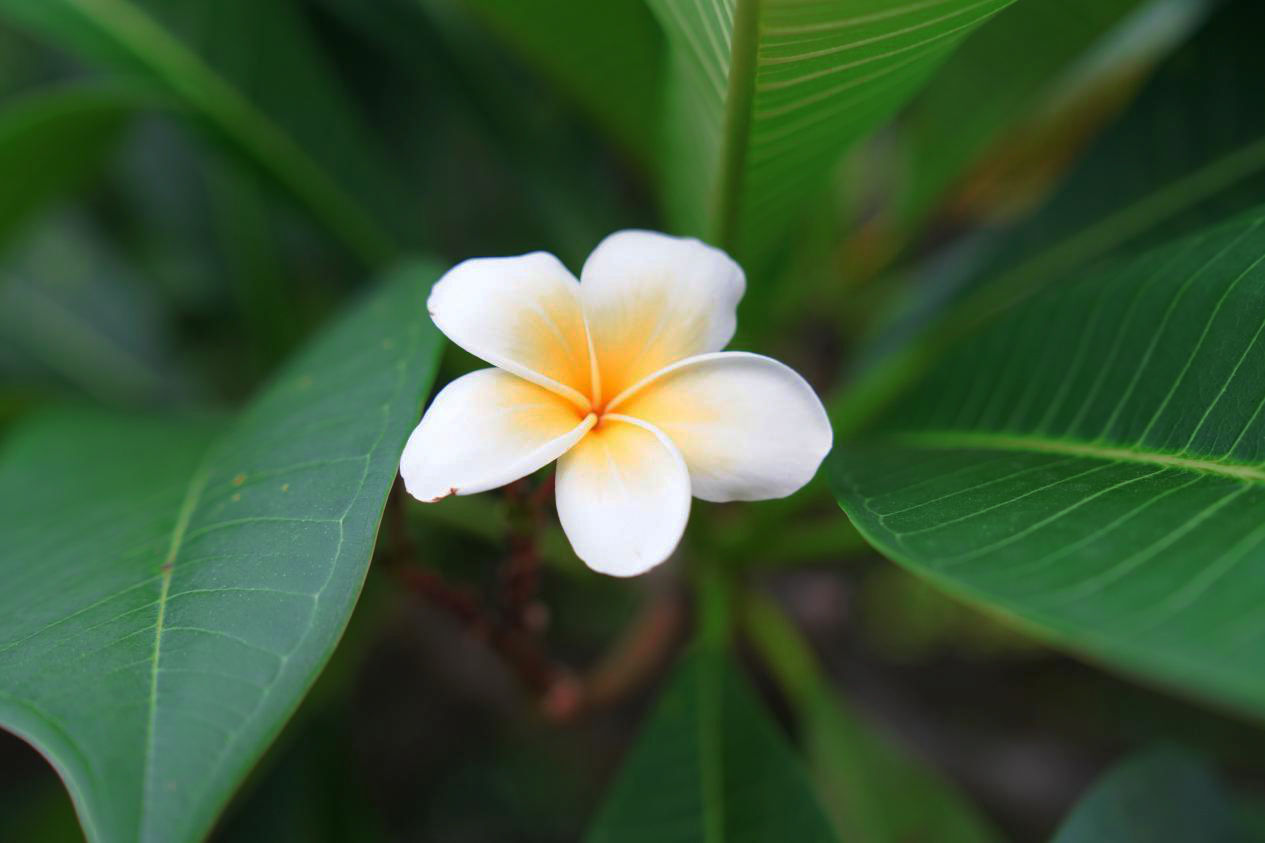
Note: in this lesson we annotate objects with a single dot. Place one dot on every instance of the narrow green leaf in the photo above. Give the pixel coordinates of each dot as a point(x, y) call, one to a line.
point(1161, 796)
point(766, 95)
point(173, 587)
point(69, 130)
point(1093, 464)
point(710, 766)
point(873, 791)
point(253, 75)
point(1026, 62)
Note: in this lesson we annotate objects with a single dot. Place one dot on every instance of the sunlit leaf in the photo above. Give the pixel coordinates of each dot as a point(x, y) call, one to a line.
point(1093, 465)
point(172, 587)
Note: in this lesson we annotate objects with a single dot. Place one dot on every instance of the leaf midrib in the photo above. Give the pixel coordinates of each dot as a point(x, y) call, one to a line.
point(959, 439)
point(193, 494)
point(739, 102)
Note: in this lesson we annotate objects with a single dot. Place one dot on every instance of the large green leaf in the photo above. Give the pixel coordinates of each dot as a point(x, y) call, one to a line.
point(874, 792)
point(252, 73)
point(172, 587)
point(1188, 152)
point(1092, 464)
point(70, 131)
point(1161, 796)
point(710, 766)
point(767, 94)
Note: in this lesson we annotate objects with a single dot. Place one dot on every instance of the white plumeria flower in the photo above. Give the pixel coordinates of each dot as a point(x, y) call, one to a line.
point(621, 378)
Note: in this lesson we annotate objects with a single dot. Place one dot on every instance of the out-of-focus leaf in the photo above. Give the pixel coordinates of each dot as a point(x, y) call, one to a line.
point(1189, 151)
point(51, 141)
point(173, 587)
point(1092, 465)
point(1027, 61)
point(710, 765)
point(252, 74)
point(1160, 796)
point(764, 97)
point(872, 790)
point(607, 56)
point(73, 315)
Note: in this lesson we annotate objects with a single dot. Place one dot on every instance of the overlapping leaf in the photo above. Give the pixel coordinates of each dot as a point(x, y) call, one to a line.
point(172, 588)
point(1093, 464)
point(766, 96)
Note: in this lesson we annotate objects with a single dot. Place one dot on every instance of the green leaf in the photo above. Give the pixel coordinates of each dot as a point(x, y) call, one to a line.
point(1140, 185)
point(69, 130)
point(1093, 465)
point(173, 587)
point(710, 766)
point(766, 96)
point(874, 791)
point(252, 74)
point(1025, 63)
point(1188, 152)
point(606, 56)
point(1160, 796)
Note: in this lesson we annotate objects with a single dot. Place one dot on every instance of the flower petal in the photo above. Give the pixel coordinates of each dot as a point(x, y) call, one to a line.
point(651, 299)
point(520, 314)
point(749, 427)
point(623, 497)
point(484, 430)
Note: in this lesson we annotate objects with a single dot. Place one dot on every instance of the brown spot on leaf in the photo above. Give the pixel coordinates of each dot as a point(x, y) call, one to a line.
point(239, 479)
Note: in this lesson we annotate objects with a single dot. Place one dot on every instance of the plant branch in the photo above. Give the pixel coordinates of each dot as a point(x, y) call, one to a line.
point(513, 633)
